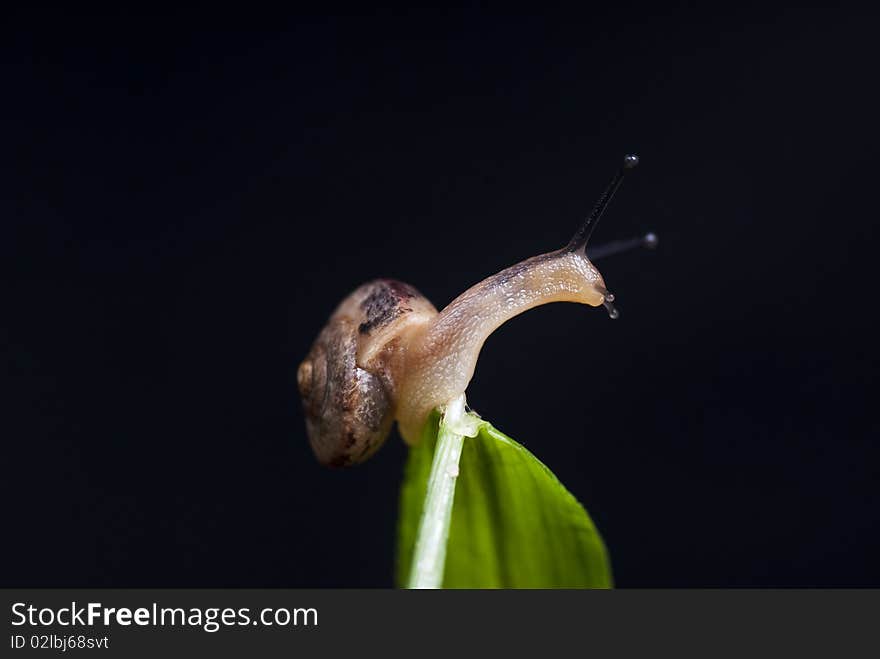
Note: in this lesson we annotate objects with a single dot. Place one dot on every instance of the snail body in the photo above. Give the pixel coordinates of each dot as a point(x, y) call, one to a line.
point(387, 354)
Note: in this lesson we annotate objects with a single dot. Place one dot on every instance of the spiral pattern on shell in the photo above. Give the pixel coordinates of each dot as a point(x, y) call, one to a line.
point(348, 411)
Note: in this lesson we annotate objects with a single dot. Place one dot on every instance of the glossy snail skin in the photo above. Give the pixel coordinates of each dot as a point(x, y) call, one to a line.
point(386, 354)
point(442, 356)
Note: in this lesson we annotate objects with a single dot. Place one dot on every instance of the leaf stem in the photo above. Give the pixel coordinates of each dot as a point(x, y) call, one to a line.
point(429, 557)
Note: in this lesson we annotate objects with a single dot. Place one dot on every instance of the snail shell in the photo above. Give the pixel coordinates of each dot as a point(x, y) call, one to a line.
point(349, 409)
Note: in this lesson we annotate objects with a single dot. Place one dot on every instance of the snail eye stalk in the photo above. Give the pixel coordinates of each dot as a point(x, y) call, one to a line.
point(582, 235)
point(649, 241)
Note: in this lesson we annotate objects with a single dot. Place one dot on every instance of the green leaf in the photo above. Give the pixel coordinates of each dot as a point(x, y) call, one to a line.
point(514, 525)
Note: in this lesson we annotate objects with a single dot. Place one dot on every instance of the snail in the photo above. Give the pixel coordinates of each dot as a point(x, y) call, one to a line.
point(387, 354)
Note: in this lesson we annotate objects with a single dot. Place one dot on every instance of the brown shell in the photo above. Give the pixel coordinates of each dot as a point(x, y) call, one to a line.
point(349, 410)
point(346, 408)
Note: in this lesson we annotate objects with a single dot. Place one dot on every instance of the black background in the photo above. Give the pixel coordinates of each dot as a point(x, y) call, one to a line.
point(187, 196)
